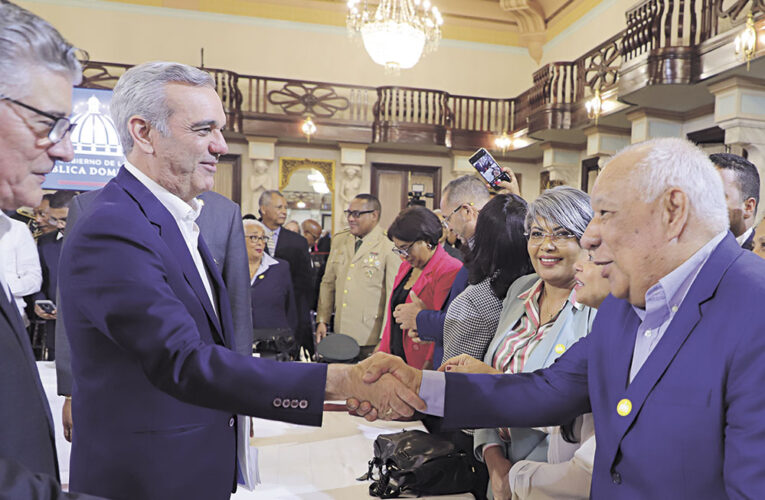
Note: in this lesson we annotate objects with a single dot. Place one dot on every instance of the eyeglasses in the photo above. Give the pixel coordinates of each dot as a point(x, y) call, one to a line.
point(403, 252)
point(61, 125)
point(536, 237)
point(445, 222)
point(356, 213)
point(255, 239)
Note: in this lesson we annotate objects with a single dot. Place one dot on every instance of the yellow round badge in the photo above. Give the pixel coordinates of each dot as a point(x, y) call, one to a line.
point(560, 348)
point(624, 407)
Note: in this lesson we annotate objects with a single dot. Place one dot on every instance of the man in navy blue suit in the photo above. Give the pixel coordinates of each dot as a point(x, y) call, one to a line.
point(673, 368)
point(157, 383)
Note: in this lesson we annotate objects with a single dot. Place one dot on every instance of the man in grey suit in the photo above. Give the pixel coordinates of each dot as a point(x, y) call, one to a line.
point(220, 224)
point(37, 70)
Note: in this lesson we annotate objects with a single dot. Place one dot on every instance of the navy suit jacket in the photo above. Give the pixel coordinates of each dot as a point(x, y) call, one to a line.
point(696, 427)
point(156, 384)
point(430, 324)
point(220, 223)
point(28, 463)
point(294, 249)
point(273, 298)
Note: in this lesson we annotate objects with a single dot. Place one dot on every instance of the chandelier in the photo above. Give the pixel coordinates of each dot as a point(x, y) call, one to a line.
point(398, 32)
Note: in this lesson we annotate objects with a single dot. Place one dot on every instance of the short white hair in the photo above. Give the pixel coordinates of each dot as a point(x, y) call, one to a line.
point(673, 162)
point(140, 91)
point(256, 223)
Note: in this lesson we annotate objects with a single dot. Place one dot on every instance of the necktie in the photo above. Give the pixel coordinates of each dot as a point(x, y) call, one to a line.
point(271, 244)
point(356, 245)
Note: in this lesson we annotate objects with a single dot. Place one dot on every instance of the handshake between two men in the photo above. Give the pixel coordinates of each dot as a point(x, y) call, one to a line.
point(384, 387)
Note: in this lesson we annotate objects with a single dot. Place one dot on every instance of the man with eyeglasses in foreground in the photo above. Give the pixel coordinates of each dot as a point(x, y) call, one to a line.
point(359, 277)
point(37, 71)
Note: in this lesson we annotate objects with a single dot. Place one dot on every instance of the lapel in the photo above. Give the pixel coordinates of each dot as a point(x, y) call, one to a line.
point(512, 310)
point(682, 325)
point(171, 235)
point(11, 314)
point(225, 326)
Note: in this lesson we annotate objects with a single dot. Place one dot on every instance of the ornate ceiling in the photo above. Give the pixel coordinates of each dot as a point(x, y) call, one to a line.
point(520, 23)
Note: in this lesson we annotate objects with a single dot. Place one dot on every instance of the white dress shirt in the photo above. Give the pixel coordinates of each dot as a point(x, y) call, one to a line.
point(185, 215)
point(20, 261)
point(745, 236)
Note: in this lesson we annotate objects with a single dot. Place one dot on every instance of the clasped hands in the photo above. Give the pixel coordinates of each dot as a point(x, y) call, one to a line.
point(383, 386)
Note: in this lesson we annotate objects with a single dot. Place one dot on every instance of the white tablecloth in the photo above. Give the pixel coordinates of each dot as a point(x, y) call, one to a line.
point(296, 461)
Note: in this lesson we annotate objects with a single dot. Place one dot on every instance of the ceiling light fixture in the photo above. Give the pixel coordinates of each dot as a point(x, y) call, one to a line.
point(398, 32)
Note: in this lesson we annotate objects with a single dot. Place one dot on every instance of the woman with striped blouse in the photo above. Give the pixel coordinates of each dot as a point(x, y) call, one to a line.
point(540, 319)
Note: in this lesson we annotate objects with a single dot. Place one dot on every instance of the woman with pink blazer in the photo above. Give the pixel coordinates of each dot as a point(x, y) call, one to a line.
point(427, 271)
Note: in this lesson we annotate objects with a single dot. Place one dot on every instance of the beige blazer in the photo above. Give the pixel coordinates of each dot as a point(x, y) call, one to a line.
point(357, 285)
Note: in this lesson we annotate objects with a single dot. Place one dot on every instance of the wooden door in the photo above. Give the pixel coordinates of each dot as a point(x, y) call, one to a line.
point(228, 178)
point(392, 183)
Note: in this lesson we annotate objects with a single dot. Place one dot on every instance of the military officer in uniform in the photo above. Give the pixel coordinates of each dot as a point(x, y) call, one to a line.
point(359, 277)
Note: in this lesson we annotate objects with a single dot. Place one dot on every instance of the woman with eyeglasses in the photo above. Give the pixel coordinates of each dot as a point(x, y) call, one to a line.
point(427, 272)
point(540, 319)
point(271, 290)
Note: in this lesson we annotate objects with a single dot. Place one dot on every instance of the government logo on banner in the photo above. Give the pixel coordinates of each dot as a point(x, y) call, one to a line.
point(97, 150)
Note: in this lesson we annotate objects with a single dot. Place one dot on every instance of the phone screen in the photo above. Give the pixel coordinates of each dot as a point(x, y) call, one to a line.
point(487, 166)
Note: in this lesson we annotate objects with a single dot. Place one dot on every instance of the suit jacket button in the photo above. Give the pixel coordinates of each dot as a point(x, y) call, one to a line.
point(303, 404)
point(616, 477)
point(231, 421)
point(294, 403)
point(277, 402)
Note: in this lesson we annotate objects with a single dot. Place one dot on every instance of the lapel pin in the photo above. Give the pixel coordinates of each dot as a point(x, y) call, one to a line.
point(560, 349)
point(624, 407)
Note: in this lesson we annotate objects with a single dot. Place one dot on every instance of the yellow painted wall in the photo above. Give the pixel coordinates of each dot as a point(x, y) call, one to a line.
point(119, 32)
point(593, 28)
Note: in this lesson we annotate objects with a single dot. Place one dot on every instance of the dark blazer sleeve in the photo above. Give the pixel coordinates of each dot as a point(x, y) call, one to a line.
point(551, 396)
point(430, 324)
point(18, 482)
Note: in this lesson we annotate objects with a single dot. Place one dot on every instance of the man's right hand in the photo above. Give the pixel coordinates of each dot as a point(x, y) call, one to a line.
point(499, 472)
point(66, 418)
point(376, 366)
point(321, 332)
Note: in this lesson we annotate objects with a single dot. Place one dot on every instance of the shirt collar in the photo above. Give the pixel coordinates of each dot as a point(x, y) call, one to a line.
point(5, 224)
point(536, 289)
point(179, 209)
point(670, 291)
point(265, 262)
point(742, 239)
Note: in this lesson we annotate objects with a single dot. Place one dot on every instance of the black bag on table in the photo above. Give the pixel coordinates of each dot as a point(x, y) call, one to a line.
point(419, 463)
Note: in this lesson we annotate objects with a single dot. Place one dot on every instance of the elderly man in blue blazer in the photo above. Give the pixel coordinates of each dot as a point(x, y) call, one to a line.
point(673, 368)
point(157, 383)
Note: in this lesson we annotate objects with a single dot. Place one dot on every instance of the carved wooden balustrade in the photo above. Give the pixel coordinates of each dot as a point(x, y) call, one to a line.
point(661, 45)
point(103, 75)
point(412, 115)
point(662, 40)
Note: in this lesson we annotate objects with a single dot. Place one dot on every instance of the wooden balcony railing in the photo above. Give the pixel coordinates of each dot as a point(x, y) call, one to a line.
point(659, 45)
point(659, 24)
point(299, 98)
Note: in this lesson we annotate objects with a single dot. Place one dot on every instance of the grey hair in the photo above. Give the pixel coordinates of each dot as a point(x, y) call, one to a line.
point(467, 189)
point(140, 91)
point(256, 223)
point(28, 40)
point(674, 162)
point(563, 206)
point(265, 197)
